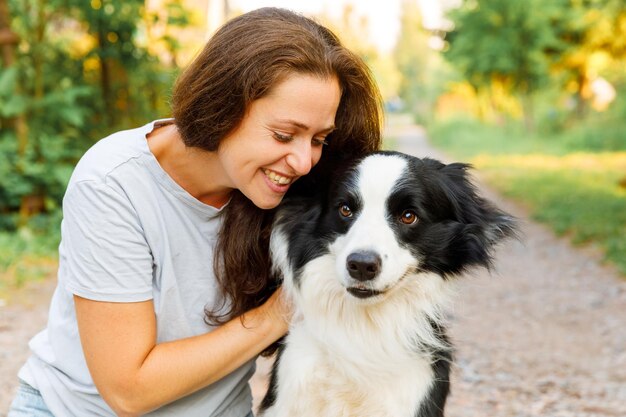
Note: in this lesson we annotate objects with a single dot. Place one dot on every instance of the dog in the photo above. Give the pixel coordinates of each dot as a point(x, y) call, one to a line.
point(369, 265)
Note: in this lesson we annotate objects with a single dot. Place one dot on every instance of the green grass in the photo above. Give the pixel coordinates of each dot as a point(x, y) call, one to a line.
point(26, 257)
point(562, 180)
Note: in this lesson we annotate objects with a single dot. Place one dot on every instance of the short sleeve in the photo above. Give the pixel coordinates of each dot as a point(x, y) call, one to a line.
point(104, 253)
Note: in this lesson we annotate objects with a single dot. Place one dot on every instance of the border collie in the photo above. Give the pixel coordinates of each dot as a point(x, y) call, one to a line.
point(369, 266)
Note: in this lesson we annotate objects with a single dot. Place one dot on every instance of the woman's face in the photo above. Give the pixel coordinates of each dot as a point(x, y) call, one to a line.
point(280, 138)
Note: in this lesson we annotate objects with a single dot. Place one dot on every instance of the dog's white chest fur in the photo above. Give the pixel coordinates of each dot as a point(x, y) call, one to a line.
point(316, 383)
point(347, 360)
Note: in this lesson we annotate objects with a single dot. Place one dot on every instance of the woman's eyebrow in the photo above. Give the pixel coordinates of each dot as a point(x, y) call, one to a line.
point(305, 127)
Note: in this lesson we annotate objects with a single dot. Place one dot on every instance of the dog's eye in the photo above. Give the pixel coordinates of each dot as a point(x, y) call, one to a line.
point(408, 217)
point(345, 210)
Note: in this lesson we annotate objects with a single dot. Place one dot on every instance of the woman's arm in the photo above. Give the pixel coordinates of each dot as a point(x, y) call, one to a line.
point(135, 375)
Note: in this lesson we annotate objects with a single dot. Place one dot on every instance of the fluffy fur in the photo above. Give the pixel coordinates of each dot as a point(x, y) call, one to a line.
point(369, 265)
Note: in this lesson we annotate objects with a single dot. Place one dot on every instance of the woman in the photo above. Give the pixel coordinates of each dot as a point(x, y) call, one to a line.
point(164, 297)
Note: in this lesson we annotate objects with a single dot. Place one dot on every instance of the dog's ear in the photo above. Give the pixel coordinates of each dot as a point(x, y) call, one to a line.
point(481, 225)
point(471, 208)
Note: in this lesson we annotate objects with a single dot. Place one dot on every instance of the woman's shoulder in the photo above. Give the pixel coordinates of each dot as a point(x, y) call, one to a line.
point(120, 150)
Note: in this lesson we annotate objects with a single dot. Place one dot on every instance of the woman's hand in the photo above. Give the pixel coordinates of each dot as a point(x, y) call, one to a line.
point(278, 310)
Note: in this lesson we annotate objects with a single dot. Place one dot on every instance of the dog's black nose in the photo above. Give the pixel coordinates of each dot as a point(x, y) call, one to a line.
point(363, 266)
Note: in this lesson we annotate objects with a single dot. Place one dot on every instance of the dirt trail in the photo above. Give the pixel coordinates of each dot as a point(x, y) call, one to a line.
point(543, 335)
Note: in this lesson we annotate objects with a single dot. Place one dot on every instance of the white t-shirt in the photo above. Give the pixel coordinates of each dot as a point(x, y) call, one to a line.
point(129, 234)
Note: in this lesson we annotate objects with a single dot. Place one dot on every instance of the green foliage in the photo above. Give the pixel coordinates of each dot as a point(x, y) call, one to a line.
point(12, 104)
point(43, 89)
point(80, 72)
point(525, 48)
point(467, 137)
point(501, 40)
point(607, 26)
point(596, 132)
point(81, 69)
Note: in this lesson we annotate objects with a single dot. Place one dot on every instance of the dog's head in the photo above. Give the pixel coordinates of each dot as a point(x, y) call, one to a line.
point(388, 219)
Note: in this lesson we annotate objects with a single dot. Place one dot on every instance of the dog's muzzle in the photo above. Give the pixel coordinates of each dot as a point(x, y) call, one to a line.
point(363, 266)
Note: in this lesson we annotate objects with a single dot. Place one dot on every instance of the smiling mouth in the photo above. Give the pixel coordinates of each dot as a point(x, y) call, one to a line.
point(363, 292)
point(276, 178)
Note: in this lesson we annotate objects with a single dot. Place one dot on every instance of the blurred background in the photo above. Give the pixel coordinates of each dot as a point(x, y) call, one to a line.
point(532, 92)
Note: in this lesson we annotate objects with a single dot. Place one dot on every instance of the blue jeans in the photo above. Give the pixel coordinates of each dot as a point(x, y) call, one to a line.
point(28, 402)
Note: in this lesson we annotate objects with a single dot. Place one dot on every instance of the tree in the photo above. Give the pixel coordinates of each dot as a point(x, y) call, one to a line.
point(520, 46)
point(8, 43)
point(501, 43)
point(80, 71)
point(587, 30)
point(607, 27)
point(37, 88)
point(571, 55)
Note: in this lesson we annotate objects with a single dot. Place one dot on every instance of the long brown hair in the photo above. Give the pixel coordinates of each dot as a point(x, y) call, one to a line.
point(241, 63)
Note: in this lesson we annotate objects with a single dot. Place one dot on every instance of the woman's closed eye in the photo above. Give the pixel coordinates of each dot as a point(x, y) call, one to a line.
point(320, 141)
point(282, 137)
point(286, 138)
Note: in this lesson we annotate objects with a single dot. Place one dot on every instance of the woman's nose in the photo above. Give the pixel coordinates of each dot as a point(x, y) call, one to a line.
point(300, 157)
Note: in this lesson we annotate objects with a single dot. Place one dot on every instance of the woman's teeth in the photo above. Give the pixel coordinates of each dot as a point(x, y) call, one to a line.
point(277, 179)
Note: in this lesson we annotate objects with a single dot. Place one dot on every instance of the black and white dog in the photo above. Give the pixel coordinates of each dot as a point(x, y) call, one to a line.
point(369, 267)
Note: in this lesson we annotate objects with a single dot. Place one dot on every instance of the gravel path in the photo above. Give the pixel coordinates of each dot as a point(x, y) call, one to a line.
point(543, 335)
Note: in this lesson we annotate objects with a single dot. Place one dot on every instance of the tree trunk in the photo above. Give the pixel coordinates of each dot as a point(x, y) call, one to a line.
point(105, 83)
point(105, 76)
point(8, 39)
point(582, 95)
point(528, 109)
point(8, 42)
point(32, 203)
